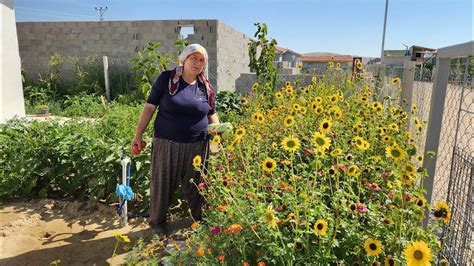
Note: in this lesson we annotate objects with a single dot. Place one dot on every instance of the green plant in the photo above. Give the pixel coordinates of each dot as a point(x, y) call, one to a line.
point(262, 64)
point(150, 62)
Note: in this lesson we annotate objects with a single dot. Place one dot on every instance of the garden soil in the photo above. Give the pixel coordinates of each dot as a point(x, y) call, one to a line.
point(40, 232)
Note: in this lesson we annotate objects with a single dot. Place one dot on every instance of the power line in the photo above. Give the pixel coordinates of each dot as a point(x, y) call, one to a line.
point(101, 11)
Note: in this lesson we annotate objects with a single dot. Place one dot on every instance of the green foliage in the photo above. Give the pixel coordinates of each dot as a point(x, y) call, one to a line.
point(83, 105)
point(150, 62)
point(263, 63)
point(77, 159)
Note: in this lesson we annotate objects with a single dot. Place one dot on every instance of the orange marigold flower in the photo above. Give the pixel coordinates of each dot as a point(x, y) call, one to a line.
point(234, 229)
point(245, 263)
point(195, 225)
point(261, 263)
point(220, 259)
point(200, 252)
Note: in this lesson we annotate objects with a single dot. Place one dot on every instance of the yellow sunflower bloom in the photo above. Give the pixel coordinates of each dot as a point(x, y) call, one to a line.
point(320, 227)
point(336, 152)
point(313, 79)
point(296, 107)
point(389, 261)
point(353, 170)
point(240, 133)
point(359, 65)
point(258, 117)
point(290, 143)
point(372, 247)
point(255, 86)
point(418, 253)
point(268, 165)
point(338, 65)
point(325, 126)
point(244, 101)
point(319, 100)
point(289, 90)
point(278, 95)
point(320, 141)
point(396, 81)
point(442, 212)
point(121, 237)
point(409, 168)
point(300, 66)
point(289, 121)
point(269, 217)
point(395, 152)
point(287, 84)
point(197, 161)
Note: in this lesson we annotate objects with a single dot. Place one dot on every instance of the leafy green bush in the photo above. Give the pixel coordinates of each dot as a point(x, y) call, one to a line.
point(77, 159)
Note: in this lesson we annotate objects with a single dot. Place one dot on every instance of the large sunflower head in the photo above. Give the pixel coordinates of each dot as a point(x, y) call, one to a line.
point(442, 212)
point(240, 133)
point(325, 125)
point(409, 168)
point(269, 217)
point(389, 261)
point(320, 141)
point(320, 227)
point(353, 170)
point(418, 253)
point(373, 247)
point(197, 161)
point(289, 121)
point(290, 143)
point(268, 165)
point(395, 152)
point(278, 95)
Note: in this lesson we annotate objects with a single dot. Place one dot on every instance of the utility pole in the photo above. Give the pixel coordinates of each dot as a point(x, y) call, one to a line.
point(101, 11)
point(383, 35)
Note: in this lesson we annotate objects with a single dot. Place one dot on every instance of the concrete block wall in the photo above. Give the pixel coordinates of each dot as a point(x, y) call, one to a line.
point(116, 39)
point(232, 56)
point(120, 40)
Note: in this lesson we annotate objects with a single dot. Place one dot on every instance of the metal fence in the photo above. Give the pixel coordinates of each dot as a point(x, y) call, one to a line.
point(445, 107)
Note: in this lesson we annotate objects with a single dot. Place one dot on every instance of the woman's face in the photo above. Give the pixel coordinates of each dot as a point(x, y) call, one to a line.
point(195, 63)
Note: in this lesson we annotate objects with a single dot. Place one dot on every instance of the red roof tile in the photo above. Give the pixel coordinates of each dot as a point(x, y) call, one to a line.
point(326, 58)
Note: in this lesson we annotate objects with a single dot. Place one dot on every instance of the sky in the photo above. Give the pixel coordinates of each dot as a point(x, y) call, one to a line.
point(352, 27)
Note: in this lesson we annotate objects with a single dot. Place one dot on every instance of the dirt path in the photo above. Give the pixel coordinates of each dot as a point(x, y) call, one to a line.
point(42, 231)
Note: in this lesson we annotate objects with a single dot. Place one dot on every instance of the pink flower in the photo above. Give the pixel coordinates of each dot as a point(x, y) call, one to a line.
point(374, 187)
point(216, 230)
point(341, 167)
point(390, 195)
point(361, 208)
point(219, 167)
point(385, 175)
point(202, 185)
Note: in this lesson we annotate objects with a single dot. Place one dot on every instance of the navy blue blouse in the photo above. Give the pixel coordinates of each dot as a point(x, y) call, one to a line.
point(181, 117)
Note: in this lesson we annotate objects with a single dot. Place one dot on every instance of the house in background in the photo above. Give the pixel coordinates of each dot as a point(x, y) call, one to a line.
point(319, 61)
point(287, 60)
point(395, 58)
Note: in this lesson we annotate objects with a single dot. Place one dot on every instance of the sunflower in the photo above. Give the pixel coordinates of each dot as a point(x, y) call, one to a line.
point(243, 101)
point(296, 107)
point(240, 133)
point(278, 95)
point(442, 212)
point(320, 227)
point(314, 79)
point(300, 66)
point(319, 110)
point(336, 152)
point(407, 179)
point(269, 217)
point(373, 247)
point(330, 64)
point(216, 139)
point(361, 143)
point(420, 158)
point(320, 141)
point(269, 165)
point(319, 100)
point(359, 65)
point(420, 202)
point(197, 161)
point(319, 153)
point(325, 126)
point(289, 90)
point(290, 143)
point(314, 105)
point(364, 99)
point(338, 65)
point(255, 86)
point(393, 127)
point(274, 145)
point(287, 84)
point(289, 121)
point(418, 253)
point(353, 170)
point(396, 81)
point(395, 152)
point(409, 168)
point(389, 261)
point(258, 117)
point(303, 110)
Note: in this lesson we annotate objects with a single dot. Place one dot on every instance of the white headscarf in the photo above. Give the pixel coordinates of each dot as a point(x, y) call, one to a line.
point(193, 48)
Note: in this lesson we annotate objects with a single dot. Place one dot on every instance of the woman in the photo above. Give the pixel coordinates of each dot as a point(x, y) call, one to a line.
point(186, 107)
